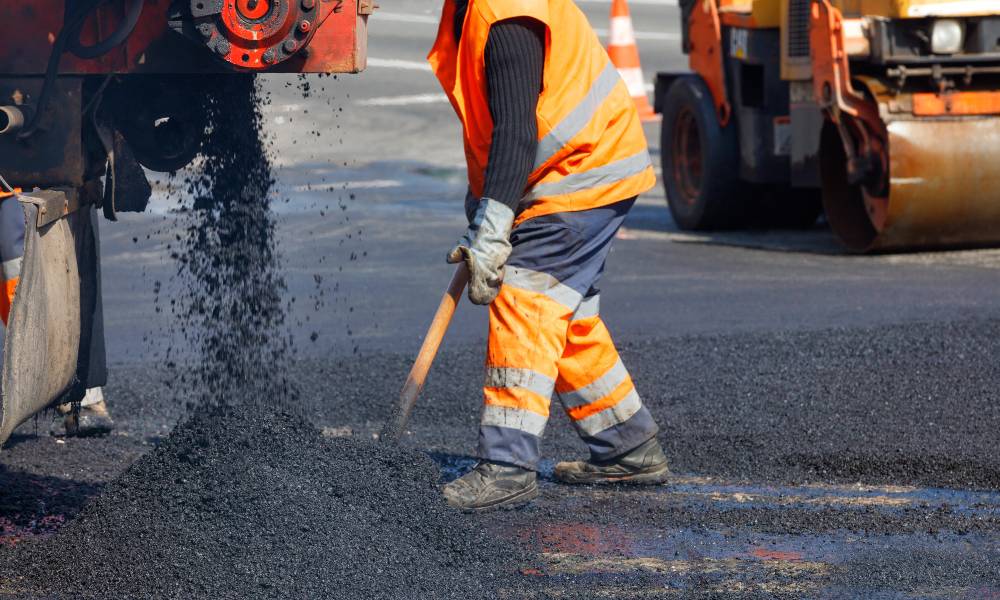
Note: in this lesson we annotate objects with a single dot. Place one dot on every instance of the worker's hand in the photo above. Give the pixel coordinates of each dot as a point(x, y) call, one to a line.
point(485, 248)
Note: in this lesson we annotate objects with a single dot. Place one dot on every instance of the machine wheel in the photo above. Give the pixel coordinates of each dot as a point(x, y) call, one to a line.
point(164, 120)
point(843, 203)
point(700, 159)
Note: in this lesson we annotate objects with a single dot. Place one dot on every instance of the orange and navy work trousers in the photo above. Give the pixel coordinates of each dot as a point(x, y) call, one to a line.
point(11, 250)
point(547, 337)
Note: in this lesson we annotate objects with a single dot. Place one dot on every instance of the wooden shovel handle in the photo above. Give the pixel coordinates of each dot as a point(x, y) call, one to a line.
point(428, 350)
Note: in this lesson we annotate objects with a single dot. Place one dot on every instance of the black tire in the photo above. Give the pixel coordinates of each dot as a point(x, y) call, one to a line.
point(700, 160)
point(843, 202)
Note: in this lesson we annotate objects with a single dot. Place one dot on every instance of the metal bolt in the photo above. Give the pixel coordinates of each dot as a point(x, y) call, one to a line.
point(222, 48)
point(305, 26)
point(290, 46)
point(269, 57)
point(206, 29)
point(308, 4)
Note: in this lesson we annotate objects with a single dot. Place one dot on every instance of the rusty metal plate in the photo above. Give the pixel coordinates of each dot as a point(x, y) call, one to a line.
point(53, 156)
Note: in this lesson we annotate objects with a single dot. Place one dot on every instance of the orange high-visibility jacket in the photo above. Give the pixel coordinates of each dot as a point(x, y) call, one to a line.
point(591, 147)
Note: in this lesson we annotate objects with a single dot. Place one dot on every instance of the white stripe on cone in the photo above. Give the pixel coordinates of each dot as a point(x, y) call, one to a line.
point(633, 79)
point(620, 32)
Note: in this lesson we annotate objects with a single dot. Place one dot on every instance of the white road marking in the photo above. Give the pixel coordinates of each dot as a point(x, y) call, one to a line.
point(369, 184)
point(381, 15)
point(393, 63)
point(430, 20)
point(645, 35)
point(404, 100)
point(282, 108)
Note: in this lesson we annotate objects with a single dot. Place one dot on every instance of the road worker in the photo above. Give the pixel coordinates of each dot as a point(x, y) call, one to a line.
point(91, 416)
point(556, 156)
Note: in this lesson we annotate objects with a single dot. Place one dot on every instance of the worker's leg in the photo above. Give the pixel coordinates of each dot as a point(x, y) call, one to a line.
point(600, 398)
point(533, 349)
point(594, 386)
point(526, 338)
point(11, 250)
point(556, 260)
point(597, 391)
point(542, 287)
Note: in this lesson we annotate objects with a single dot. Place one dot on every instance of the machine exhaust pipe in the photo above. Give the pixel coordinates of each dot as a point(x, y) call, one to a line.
point(12, 119)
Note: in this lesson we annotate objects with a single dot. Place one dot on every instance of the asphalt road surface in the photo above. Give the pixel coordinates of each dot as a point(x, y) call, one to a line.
point(831, 419)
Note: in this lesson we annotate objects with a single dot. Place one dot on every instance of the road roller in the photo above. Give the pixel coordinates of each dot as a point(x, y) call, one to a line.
point(93, 95)
point(882, 114)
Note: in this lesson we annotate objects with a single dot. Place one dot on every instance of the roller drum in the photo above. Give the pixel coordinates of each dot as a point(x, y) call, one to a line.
point(944, 189)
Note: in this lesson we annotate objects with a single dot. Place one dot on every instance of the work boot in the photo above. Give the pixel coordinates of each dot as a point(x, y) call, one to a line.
point(644, 465)
point(92, 418)
point(492, 485)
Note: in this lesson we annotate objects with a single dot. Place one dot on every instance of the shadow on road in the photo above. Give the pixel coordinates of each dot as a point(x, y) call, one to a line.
point(33, 505)
point(653, 221)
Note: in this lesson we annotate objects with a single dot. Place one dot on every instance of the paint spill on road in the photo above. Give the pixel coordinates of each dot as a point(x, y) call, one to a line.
point(706, 536)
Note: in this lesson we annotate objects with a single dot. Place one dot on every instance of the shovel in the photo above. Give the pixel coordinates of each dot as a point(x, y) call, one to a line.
point(428, 350)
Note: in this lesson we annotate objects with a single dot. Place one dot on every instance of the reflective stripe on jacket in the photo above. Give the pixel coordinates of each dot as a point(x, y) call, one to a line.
point(591, 148)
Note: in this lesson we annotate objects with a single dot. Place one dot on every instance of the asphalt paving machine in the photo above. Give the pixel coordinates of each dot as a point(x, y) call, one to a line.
point(885, 114)
point(92, 94)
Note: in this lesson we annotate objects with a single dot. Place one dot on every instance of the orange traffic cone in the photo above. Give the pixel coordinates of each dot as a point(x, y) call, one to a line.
point(625, 56)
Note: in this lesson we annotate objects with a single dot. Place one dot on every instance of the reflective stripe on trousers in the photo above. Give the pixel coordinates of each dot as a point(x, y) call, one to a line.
point(546, 336)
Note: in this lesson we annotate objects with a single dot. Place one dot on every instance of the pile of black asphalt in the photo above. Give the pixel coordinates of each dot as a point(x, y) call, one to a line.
point(261, 505)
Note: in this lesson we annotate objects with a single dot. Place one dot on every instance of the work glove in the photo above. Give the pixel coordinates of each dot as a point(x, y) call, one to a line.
point(485, 248)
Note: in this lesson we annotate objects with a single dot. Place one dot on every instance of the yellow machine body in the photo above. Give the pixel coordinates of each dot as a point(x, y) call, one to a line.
point(911, 9)
point(912, 134)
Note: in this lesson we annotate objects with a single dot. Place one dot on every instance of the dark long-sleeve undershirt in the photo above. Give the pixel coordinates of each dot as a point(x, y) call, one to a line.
point(515, 57)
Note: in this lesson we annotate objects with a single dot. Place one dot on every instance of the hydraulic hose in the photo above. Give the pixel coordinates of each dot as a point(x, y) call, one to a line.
point(5, 186)
point(71, 32)
point(125, 29)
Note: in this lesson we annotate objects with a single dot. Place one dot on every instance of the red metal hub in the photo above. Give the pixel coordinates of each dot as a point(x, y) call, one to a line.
point(253, 9)
point(255, 34)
